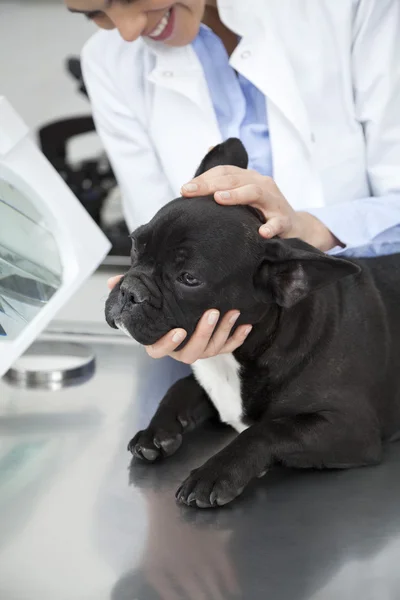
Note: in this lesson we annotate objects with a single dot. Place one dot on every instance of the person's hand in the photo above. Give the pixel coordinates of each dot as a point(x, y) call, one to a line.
point(112, 282)
point(232, 185)
point(208, 339)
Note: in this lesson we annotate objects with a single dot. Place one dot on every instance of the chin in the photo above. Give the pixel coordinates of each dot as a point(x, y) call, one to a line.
point(142, 336)
point(186, 30)
point(181, 40)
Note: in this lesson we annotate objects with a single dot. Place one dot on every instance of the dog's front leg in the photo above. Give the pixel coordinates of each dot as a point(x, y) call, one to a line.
point(184, 407)
point(301, 441)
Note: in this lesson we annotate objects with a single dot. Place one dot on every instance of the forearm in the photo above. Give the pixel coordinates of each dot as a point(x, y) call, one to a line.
point(351, 224)
point(313, 231)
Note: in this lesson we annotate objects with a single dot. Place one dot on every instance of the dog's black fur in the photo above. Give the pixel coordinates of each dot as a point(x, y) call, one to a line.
point(320, 370)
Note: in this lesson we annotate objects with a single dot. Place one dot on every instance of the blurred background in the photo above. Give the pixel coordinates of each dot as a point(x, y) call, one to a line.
point(34, 77)
point(40, 76)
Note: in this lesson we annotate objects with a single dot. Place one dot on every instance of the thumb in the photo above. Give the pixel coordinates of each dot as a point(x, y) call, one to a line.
point(112, 282)
point(275, 226)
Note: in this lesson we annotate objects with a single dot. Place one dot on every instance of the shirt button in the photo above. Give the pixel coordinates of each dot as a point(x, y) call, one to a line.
point(168, 74)
point(245, 54)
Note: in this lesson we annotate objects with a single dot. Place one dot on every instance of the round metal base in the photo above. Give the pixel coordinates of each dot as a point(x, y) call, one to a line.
point(52, 366)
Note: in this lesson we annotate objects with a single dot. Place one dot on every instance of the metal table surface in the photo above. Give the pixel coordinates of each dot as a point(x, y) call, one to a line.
point(77, 522)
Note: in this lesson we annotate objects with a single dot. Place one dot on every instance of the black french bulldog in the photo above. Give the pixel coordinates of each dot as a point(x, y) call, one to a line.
point(316, 383)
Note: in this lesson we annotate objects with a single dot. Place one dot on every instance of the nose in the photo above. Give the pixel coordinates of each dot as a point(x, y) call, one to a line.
point(130, 27)
point(133, 294)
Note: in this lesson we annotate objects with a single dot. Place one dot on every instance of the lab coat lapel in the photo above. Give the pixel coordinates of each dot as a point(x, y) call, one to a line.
point(261, 58)
point(179, 70)
point(183, 120)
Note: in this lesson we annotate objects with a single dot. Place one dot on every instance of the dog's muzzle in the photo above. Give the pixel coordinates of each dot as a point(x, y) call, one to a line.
point(133, 292)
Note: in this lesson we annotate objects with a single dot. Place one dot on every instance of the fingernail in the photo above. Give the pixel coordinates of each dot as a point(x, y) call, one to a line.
point(247, 331)
point(191, 187)
point(266, 231)
point(178, 336)
point(113, 281)
point(213, 317)
point(234, 318)
point(224, 195)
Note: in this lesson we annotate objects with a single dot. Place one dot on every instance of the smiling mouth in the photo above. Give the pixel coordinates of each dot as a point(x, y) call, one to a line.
point(161, 28)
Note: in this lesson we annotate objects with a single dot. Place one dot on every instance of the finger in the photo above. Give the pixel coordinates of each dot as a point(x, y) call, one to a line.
point(200, 339)
point(278, 225)
point(112, 282)
point(217, 179)
point(221, 335)
point(167, 344)
point(237, 339)
point(252, 193)
point(219, 171)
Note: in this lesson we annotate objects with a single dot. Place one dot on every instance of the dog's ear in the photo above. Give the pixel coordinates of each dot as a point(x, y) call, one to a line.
point(232, 152)
point(291, 270)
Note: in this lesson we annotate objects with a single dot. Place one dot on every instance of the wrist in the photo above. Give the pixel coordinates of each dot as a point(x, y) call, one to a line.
point(314, 232)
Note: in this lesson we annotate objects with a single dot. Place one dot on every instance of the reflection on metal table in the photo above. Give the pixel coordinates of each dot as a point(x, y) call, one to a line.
point(76, 523)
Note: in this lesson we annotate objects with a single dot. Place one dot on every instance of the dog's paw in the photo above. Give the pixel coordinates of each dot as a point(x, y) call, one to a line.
point(153, 444)
point(164, 438)
point(208, 487)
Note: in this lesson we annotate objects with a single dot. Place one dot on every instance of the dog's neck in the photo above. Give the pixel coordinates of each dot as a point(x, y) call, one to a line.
point(262, 336)
point(282, 338)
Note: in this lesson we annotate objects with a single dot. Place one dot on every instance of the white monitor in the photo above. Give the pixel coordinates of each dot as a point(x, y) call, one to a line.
point(49, 245)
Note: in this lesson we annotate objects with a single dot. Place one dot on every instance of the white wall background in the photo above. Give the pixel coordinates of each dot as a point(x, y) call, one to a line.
point(35, 39)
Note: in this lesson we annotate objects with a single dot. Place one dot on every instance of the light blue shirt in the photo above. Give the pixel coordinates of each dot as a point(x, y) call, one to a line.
point(239, 106)
point(368, 226)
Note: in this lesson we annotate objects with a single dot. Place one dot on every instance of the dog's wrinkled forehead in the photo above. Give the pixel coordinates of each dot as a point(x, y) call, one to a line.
point(198, 224)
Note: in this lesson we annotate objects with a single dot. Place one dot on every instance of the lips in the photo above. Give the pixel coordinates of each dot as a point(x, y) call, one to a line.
point(165, 28)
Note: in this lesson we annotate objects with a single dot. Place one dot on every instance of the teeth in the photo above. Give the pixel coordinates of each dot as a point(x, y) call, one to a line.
point(161, 26)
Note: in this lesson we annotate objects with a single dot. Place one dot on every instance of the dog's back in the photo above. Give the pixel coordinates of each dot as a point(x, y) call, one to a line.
point(385, 273)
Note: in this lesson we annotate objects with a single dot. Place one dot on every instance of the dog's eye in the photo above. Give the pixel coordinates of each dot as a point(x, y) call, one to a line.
point(188, 279)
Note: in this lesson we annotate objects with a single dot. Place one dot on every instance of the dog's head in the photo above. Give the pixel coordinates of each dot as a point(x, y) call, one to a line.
point(195, 255)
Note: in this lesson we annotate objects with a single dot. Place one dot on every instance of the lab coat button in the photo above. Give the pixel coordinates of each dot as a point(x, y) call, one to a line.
point(245, 54)
point(168, 74)
point(312, 137)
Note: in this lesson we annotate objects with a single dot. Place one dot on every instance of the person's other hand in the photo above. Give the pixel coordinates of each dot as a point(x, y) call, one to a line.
point(112, 282)
point(208, 339)
point(233, 185)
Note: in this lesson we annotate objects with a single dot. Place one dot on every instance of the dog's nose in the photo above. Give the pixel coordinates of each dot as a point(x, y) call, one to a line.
point(133, 294)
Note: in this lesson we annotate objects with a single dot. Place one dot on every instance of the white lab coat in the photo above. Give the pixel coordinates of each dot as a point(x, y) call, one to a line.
point(330, 71)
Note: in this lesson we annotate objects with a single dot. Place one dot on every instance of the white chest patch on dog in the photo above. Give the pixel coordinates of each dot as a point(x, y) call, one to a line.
point(219, 376)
